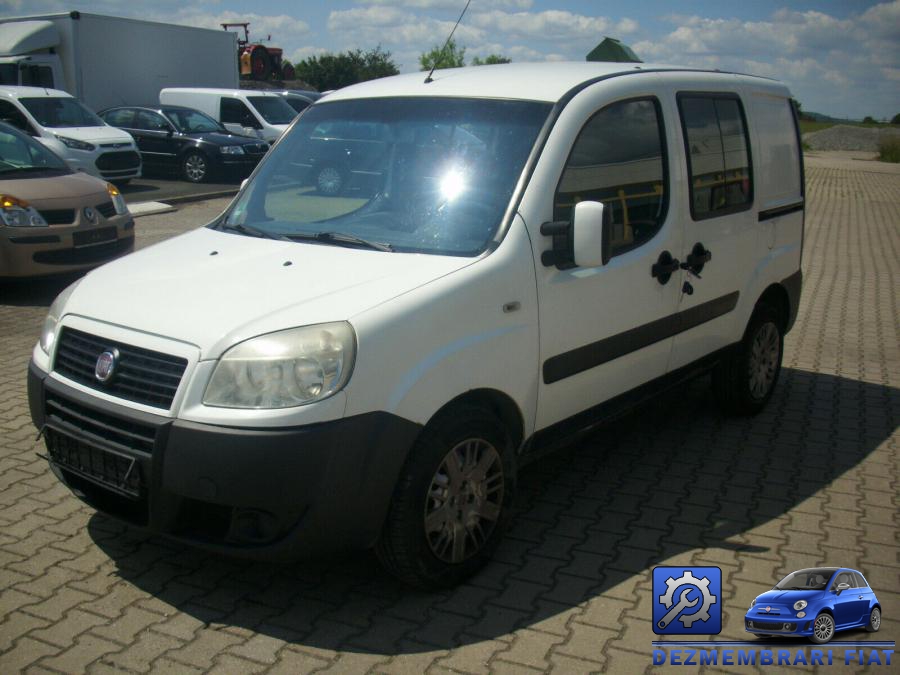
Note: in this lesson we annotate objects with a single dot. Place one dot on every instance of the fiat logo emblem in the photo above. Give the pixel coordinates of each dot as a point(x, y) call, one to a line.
point(90, 214)
point(106, 365)
point(768, 609)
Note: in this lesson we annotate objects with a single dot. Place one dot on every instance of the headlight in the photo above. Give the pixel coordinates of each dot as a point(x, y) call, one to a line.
point(288, 368)
point(117, 199)
point(231, 150)
point(75, 144)
point(800, 604)
point(753, 602)
point(48, 332)
point(16, 212)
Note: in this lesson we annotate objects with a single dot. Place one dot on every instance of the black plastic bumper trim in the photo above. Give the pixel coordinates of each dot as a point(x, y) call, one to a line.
point(779, 211)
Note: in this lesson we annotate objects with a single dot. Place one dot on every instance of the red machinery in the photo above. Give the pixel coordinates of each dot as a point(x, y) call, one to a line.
point(257, 61)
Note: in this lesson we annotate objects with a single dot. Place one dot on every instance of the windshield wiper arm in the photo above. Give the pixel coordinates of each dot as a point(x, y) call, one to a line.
point(341, 239)
point(249, 229)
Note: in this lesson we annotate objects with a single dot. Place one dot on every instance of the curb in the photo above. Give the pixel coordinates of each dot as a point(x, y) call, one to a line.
point(184, 199)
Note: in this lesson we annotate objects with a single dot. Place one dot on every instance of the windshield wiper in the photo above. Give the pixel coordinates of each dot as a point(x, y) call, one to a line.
point(341, 239)
point(250, 230)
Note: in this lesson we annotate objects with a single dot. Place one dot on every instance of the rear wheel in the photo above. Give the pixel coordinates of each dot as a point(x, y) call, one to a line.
point(452, 501)
point(874, 620)
point(195, 167)
point(745, 379)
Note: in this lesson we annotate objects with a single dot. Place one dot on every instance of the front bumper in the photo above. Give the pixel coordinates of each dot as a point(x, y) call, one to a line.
point(44, 251)
point(783, 624)
point(274, 494)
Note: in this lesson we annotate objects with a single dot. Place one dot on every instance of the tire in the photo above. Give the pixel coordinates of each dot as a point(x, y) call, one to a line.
point(260, 64)
point(330, 180)
point(195, 167)
point(823, 629)
point(874, 620)
point(440, 528)
point(745, 379)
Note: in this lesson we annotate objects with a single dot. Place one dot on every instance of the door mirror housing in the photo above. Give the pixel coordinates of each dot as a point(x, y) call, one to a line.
point(250, 121)
point(842, 587)
point(591, 234)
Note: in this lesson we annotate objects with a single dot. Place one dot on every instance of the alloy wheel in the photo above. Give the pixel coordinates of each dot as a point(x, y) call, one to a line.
point(464, 500)
point(195, 168)
point(823, 628)
point(763, 361)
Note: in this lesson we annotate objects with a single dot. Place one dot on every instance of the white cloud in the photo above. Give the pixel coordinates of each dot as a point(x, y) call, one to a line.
point(456, 5)
point(840, 66)
point(546, 25)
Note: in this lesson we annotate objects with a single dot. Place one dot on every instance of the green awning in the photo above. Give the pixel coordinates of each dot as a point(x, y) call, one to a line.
point(613, 50)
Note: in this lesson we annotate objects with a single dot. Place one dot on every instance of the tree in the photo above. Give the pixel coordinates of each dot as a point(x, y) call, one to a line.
point(868, 120)
point(895, 119)
point(450, 56)
point(333, 71)
point(490, 59)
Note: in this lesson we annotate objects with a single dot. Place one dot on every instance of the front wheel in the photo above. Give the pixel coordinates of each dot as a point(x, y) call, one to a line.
point(195, 167)
point(330, 181)
point(823, 629)
point(452, 501)
point(745, 379)
point(874, 620)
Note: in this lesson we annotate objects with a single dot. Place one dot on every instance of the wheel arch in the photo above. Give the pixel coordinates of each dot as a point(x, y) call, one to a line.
point(498, 404)
point(776, 296)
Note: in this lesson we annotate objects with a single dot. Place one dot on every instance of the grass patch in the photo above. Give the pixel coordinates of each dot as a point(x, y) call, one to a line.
point(807, 126)
point(889, 150)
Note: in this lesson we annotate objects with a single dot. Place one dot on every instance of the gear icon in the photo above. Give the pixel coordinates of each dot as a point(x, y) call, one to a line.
point(700, 584)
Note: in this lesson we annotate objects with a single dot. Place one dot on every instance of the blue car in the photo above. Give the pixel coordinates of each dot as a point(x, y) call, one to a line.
point(815, 603)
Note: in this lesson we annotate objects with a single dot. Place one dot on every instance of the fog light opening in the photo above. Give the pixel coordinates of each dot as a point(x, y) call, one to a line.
point(253, 526)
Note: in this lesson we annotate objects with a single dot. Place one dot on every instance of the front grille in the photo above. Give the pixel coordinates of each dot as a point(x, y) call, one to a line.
point(141, 375)
point(59, 216)
point(119, 433)
point(106, 209)
point(118, 161)
point(85, 256)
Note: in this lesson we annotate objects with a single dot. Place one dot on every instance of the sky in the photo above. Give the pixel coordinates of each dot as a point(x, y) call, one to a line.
point(838, 58)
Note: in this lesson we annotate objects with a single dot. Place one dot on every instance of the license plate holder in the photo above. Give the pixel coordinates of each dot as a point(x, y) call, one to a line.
point(94, 237)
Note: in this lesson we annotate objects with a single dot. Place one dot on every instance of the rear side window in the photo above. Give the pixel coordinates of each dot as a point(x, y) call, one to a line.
point(120, 118)
point(150, 121)
point(718, 154)
point(860, 582)
point(618, 159)
point(234, 111)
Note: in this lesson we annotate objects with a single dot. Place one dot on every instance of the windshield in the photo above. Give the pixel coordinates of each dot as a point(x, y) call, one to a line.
point(805, 580)
point(20, 154)
point(57, 111)
point(273, 109)
point(191, 121)
point(428, 175)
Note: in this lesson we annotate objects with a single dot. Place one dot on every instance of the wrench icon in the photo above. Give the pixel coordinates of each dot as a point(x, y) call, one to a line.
point(680, 605)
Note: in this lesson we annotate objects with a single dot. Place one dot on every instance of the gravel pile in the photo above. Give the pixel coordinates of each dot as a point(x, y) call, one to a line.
point(846, 137)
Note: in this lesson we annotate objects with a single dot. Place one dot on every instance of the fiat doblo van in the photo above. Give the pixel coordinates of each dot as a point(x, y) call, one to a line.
point(541, 247)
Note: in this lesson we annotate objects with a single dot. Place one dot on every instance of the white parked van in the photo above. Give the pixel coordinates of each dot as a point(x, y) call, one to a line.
point(72, 131)
point(261, 114)
point(536, 247)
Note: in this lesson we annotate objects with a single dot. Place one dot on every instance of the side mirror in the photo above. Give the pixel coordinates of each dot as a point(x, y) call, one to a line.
point(842, 587)
point(591, 234)
point(244, 183)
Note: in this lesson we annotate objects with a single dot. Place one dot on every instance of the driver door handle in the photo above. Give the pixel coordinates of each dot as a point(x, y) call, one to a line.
point(664, 267)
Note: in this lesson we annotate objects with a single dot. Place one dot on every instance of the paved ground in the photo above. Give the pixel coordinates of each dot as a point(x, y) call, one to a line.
point(812, 480)
point(157, 186)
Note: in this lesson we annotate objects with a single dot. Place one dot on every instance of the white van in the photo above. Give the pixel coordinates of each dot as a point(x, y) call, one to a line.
point(261, 114)
point(72, 131)
point(543, 247)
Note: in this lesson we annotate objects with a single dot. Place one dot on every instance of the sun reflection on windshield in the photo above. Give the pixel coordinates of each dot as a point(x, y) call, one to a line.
point(453, 184)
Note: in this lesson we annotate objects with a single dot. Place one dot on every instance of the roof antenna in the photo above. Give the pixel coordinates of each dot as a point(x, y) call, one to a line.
point(449, 37)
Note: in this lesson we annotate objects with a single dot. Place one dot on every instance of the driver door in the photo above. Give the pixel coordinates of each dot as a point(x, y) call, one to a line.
point(238, 118)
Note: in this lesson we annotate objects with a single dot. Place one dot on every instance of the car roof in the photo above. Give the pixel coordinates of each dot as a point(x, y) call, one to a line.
point(547, 81)
point(221, 92)
point(16, 91)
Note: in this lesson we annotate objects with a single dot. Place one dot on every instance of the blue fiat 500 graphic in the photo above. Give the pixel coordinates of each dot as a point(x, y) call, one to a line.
point(815, 603)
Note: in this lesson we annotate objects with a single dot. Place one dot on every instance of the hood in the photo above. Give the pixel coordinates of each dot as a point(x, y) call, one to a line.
point(776, 597)
point(95, 135)
point(214, 289)
point(55, 190)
